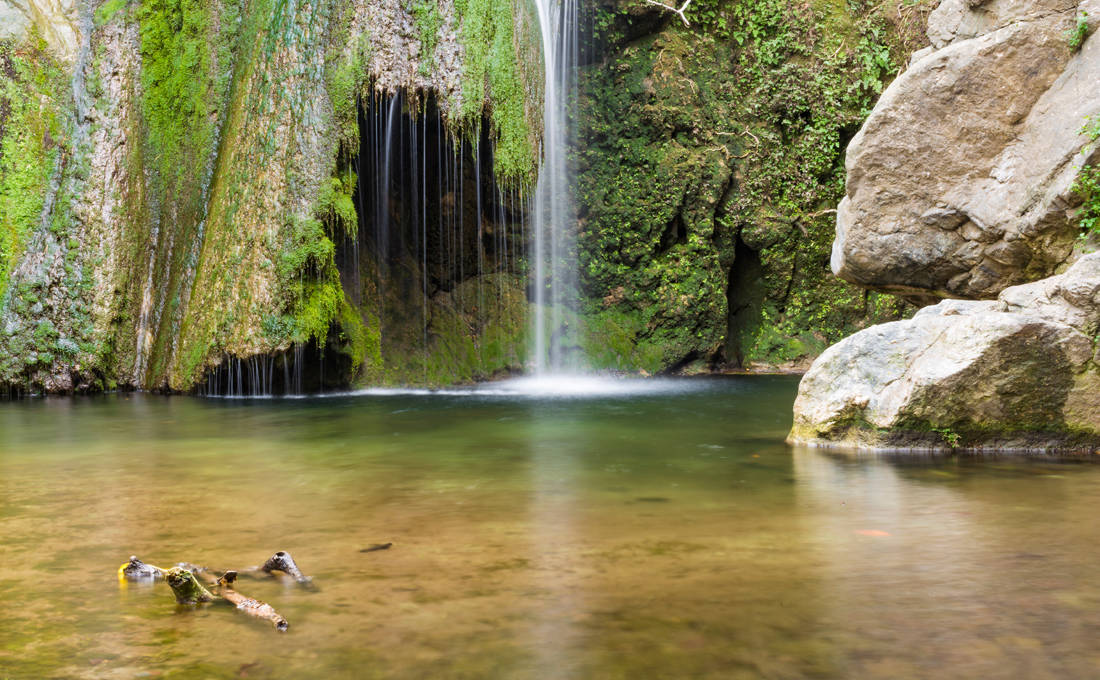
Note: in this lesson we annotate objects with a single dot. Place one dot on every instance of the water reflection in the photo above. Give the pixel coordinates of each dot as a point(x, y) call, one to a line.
point(965, 568)
point(633, 535)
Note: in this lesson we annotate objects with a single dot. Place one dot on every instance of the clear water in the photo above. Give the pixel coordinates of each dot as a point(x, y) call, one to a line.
point(638, 533)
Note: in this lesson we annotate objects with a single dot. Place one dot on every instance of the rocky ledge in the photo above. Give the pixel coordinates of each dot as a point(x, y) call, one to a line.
point(1015, 373)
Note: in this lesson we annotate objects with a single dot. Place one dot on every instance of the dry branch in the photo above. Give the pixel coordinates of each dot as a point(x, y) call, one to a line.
point(260, 610)
point(672, 9)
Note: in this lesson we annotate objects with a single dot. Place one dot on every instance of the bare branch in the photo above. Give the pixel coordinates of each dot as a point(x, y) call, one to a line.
point(680, 12)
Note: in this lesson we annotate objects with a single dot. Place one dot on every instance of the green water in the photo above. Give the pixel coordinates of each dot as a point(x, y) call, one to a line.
point(654, 534)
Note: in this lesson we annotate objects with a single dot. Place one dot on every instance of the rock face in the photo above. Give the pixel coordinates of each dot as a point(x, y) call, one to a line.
point(959, 185)
point(177, 180)
point(959, 182)
point(1015, 373)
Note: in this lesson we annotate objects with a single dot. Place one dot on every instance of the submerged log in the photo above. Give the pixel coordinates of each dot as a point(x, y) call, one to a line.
point(248, 605)
point(184, 581)
point(279, 563)
point(186, 587)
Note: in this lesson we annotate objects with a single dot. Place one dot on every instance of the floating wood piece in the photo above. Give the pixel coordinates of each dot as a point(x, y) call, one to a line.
point(260, 610)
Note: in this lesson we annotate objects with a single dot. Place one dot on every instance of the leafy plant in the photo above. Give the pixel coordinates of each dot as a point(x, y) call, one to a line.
point(1076, 35)
point(1087, 185)
point(950, 437)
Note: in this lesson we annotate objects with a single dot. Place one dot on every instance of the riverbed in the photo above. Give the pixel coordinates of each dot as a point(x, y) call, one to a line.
point(647, 529)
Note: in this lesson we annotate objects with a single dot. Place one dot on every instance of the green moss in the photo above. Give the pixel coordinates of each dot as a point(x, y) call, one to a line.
point(428, 22)
point(731, 132)
point(492, 80)
point(474, 332)
point(109, 10)
point(31, 132)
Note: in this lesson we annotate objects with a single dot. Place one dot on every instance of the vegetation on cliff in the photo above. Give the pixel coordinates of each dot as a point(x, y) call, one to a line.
point(32, 95)
point(710, 161)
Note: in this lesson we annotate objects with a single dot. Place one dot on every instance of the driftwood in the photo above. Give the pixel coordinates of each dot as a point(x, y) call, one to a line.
point(184, 581)
point(282, 561)
point(186, 587)
point(260, 610)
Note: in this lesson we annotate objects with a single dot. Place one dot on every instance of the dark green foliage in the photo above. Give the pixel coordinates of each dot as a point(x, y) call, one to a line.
point(734, 129)
point(1087, 185)
point(1076, 35)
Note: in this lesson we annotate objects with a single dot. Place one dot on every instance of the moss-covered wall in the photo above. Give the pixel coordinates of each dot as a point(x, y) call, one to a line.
point(181, 188)
point(711, 158)
point(173, 190)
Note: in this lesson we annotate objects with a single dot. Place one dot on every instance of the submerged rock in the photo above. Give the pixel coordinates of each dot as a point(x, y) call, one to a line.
point(959, 182)
point(1018, 372)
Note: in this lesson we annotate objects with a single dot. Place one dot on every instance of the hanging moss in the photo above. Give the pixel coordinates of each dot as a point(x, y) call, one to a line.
point(492, 80)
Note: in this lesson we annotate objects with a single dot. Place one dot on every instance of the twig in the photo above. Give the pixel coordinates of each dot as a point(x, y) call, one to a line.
point(674, 10)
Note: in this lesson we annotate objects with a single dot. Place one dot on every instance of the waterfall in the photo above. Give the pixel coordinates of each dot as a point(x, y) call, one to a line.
point(555, 284)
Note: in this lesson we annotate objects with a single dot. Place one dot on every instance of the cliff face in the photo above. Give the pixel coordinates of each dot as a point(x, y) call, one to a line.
point(178, 180)
point(710, 159)
point(976, 172)
point(192, 183)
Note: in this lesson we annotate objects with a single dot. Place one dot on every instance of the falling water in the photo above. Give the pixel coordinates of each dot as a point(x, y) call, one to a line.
point(553, 218)
point(383, 218)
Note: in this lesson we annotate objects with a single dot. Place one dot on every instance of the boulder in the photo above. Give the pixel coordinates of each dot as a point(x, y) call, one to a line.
point(1015, 373)
point(959, 182)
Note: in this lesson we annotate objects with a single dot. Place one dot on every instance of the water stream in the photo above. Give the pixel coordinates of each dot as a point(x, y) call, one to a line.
point(554, 243)
point(646, 529)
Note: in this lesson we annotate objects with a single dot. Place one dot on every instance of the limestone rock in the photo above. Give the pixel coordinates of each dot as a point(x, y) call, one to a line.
point(55, 20)
point(959, 182)
point(1017, 372)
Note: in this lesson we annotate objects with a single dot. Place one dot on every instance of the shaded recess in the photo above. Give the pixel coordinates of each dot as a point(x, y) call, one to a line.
point(438, 260)
point(744, 296)
point(433, 262)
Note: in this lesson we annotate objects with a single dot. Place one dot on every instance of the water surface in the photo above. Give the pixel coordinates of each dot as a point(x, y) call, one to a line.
point(656, 530)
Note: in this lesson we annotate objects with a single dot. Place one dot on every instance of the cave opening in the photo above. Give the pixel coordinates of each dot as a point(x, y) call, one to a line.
point(744, 300)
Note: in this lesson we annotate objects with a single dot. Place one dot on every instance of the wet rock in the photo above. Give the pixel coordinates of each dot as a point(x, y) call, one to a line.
point(1017, 372)
point(959, 182)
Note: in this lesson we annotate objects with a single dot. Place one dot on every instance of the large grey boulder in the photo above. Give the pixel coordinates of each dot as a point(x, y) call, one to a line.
point(959, 182)
point(1015, 373)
